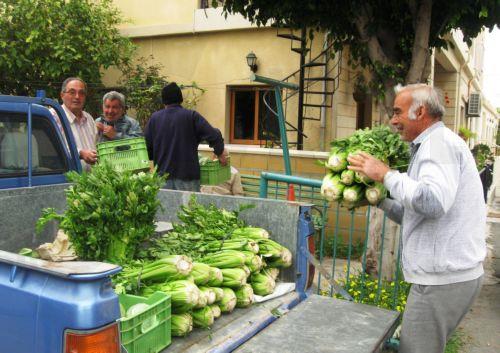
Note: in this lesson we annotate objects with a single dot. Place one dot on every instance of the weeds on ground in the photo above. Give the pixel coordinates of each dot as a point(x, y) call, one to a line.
point(367, 290)
point(455, 343)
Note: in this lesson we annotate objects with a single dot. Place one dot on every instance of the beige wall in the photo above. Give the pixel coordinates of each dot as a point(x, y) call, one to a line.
point(202, 46)
point(157, 12)
point(458, 72)
point(211, 51)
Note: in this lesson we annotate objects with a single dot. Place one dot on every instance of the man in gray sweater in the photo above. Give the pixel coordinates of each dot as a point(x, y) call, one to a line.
point(440, 205)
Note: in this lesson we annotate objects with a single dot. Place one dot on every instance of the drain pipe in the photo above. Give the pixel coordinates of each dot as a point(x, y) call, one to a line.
point(322, 128)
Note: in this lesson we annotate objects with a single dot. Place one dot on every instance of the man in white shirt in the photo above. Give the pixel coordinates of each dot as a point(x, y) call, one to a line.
point(73, 95)
point(440, 205)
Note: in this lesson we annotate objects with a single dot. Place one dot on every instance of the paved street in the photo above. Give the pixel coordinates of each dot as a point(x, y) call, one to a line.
point(481, 326)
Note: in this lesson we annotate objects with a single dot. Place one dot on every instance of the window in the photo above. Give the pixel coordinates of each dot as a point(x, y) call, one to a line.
point(47, 155)
point(252, 121)
point(205, 4)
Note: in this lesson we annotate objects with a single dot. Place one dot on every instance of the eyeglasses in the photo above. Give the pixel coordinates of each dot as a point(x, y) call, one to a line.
point(74, 92)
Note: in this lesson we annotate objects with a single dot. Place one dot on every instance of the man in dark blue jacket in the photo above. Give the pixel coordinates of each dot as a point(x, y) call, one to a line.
point(172, 138)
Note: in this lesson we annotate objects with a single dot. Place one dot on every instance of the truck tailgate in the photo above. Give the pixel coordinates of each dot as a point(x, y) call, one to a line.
point(323, 324)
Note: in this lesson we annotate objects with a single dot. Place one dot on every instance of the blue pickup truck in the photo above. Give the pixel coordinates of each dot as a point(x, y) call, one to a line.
point(70, 307)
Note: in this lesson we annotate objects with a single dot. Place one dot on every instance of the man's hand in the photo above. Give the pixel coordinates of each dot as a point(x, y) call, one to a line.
point(100, 126)
point(89, 156)
point(223, 157)
point(368, 165)
point(109, 131)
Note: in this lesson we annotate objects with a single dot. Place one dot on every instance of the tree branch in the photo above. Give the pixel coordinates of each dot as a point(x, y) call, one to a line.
point(375, 51)
point(420, 50)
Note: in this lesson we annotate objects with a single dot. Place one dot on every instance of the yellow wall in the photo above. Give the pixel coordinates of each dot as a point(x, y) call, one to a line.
point(157, 12)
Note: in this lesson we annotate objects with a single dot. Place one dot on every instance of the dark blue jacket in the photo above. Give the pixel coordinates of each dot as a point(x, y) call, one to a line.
point(172, 137)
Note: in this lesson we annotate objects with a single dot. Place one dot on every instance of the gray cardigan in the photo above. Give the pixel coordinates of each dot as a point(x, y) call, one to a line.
point(440, 204)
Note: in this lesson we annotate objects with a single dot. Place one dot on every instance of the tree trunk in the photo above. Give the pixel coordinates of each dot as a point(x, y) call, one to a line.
point(420, 55)
point(420, 50)
point(382, 252)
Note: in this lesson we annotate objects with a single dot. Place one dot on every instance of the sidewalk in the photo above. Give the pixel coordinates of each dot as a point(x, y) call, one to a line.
point(481, 326)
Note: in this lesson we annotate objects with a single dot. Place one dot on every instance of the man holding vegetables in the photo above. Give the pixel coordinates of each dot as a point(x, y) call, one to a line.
point(172, 138)
point(440, 206)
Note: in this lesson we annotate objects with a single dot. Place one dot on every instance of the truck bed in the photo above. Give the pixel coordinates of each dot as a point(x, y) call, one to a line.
point(230, 330)
point(295, 322)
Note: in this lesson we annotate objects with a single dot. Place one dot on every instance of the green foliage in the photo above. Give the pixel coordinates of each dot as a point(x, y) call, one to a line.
point(109, 213)
point(341, 248)
point(482, 154)
point(381, 142)
point(42, 42)
point(365, 289)
point(143, 84)
point(455, 343)
point(200, 224)
point(380, 34)
point(465, 133)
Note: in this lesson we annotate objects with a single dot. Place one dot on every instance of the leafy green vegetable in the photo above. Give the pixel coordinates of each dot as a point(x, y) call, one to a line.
point(262, 284)
point(228, 302)
point(203, 317)
point(182, 324)
point(109, 213)
point(331, 187)
point(244, 296)
point(376, 193)
point(348, 187)
point(234, 277)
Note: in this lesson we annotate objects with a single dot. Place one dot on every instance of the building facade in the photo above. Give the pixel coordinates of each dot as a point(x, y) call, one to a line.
point(194, 42)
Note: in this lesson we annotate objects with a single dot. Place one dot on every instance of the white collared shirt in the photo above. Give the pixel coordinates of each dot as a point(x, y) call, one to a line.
point(84, 131)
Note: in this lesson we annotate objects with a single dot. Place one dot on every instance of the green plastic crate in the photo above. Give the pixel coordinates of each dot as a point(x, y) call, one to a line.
point(125, 155)
point(213, 173)
point(149, 331)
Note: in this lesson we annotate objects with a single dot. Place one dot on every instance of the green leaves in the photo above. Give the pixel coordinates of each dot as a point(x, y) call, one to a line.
point(143, 84)
point(109, 213)
point(45, 41)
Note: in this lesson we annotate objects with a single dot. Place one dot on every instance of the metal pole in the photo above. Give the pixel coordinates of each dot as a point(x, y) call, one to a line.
point(273, 82)
point(30, 147)
point(284, 138)
point(281, 117)
point(300, 114)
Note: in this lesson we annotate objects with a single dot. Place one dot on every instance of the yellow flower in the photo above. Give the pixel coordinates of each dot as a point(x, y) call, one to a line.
point(371, 296)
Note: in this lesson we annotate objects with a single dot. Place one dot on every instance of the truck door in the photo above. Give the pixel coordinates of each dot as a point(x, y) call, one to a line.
point(48, 160)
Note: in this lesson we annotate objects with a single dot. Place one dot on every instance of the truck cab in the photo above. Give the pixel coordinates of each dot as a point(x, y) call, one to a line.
point(47, 155)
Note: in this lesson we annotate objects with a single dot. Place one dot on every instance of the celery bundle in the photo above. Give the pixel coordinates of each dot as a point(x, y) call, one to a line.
point(352, 188)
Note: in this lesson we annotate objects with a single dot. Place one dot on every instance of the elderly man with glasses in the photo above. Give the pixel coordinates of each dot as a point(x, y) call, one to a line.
point(115, 124)
point(73, 95)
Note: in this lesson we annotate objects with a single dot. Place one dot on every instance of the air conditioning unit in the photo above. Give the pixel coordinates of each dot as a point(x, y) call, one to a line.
point(474, 105)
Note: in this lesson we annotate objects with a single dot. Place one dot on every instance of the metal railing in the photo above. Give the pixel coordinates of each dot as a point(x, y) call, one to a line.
point(337, 229)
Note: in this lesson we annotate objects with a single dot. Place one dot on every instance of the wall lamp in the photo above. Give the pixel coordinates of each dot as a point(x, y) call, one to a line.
point(252, 61)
